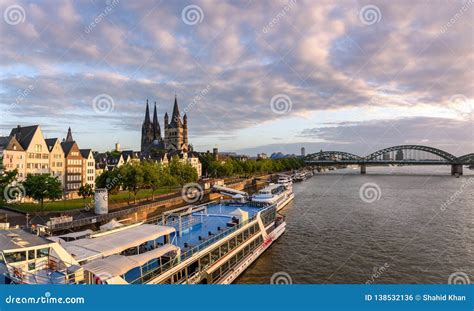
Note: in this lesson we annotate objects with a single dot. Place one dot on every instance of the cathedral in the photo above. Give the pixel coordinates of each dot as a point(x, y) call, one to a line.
point(175, 132)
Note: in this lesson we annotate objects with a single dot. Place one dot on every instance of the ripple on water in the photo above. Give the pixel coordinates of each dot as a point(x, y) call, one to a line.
point(406, 236)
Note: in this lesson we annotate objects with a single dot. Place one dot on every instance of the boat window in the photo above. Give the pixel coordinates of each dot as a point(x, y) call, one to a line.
point(225, 267)
point(215, 255)
point(224, 249)
point(215, 275)
point(31, 266)
point(204, 261)
point(240, 255)
point(15, 257)
point(151, 265)
point(232, 243)
point(239, 238)
point(247, 249)
point(132, 275)
point(193, 268)
point(233, 260)
point(246, 235)
point(252, 230)
point(42, 252)
point(31, 254)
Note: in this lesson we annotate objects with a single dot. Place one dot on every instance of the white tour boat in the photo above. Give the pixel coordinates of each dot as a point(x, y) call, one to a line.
point(279, 194)
point(210, 243)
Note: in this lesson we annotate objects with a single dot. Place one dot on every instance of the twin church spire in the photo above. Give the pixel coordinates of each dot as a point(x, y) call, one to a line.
point(176, 131)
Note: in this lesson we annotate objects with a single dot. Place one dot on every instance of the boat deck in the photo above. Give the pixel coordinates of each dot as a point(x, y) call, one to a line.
point(196, 227)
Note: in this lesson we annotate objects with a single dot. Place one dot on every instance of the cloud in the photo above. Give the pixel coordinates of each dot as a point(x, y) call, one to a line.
point(319, 54)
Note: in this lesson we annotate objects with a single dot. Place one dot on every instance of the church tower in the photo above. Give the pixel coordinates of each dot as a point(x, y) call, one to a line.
point(176, 137)
point(147, 130)
point(185, 132)
point(156, 127)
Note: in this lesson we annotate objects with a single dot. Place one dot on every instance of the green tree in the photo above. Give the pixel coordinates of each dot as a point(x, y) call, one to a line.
point(132, 178)
point(111, 180)
point(40, 187)
point(183, 172)
point(85, 191)
point(152, 176)
point(6, 179)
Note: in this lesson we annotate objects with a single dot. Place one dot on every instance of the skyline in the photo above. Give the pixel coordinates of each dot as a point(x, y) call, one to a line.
point(354, 77)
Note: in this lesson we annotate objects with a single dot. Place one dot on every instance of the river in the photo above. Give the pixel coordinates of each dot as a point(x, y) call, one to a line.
point(395, 225)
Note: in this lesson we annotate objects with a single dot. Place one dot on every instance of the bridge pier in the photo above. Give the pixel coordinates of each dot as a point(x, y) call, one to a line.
point(363, 169)
point(456, 169)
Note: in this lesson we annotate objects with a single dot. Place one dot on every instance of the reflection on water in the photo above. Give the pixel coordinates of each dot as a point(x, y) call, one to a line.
point(418, 229)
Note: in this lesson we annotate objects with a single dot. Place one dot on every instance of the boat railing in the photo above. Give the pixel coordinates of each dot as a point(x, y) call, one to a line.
point(188, 254)
point(50, 263)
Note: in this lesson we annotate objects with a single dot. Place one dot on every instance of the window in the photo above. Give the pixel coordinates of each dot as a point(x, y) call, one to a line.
point(31, 254)
point(232, 243)
point(38, 148)
point(15, 257)
point(132, 274)
point(215, 255)
point(42, 252)
point(151, 265)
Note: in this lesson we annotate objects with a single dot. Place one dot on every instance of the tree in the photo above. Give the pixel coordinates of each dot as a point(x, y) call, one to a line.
point(183, 172)
point(40, 187)
point(132, 178)
point(152, 176)
point(111, 180)
point(7, 178)
point(85, 191)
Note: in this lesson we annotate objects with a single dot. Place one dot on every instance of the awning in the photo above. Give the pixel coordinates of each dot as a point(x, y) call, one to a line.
point(117, 265)
point(116, 242)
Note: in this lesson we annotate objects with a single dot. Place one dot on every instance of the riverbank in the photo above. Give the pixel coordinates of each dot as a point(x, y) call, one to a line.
point(142, 210)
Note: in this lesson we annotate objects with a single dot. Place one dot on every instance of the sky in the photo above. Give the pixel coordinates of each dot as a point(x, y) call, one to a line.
point(252, 76)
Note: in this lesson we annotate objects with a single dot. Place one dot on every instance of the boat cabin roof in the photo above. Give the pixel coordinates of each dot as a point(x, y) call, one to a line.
point(16, 239)
point(117, 265)
point(116, 242)
point(271, 187)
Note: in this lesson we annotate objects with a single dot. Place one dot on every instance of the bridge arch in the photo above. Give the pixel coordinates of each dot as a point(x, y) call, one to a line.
point(330, 155)
point(467, 158)
point(438, 152)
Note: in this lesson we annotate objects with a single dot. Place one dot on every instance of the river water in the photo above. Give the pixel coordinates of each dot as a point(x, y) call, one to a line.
point(406, 225)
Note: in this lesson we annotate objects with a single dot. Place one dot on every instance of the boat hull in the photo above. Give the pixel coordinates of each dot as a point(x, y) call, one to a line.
point(239, 269)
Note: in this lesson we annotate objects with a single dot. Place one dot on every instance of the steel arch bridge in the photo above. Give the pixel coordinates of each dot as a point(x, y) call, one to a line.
point(382, 157)
point(466, 159)
point(339, 155)
point(443, 154)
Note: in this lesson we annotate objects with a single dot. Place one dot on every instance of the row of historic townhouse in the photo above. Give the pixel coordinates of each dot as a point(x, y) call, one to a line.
point(27, 151)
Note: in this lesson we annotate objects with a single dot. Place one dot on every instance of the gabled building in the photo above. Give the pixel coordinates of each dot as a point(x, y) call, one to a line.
point(32, 141)
point(130, 156)
point(88, 167)
point(56, 159)
point(74, 165)
point(13, 156)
